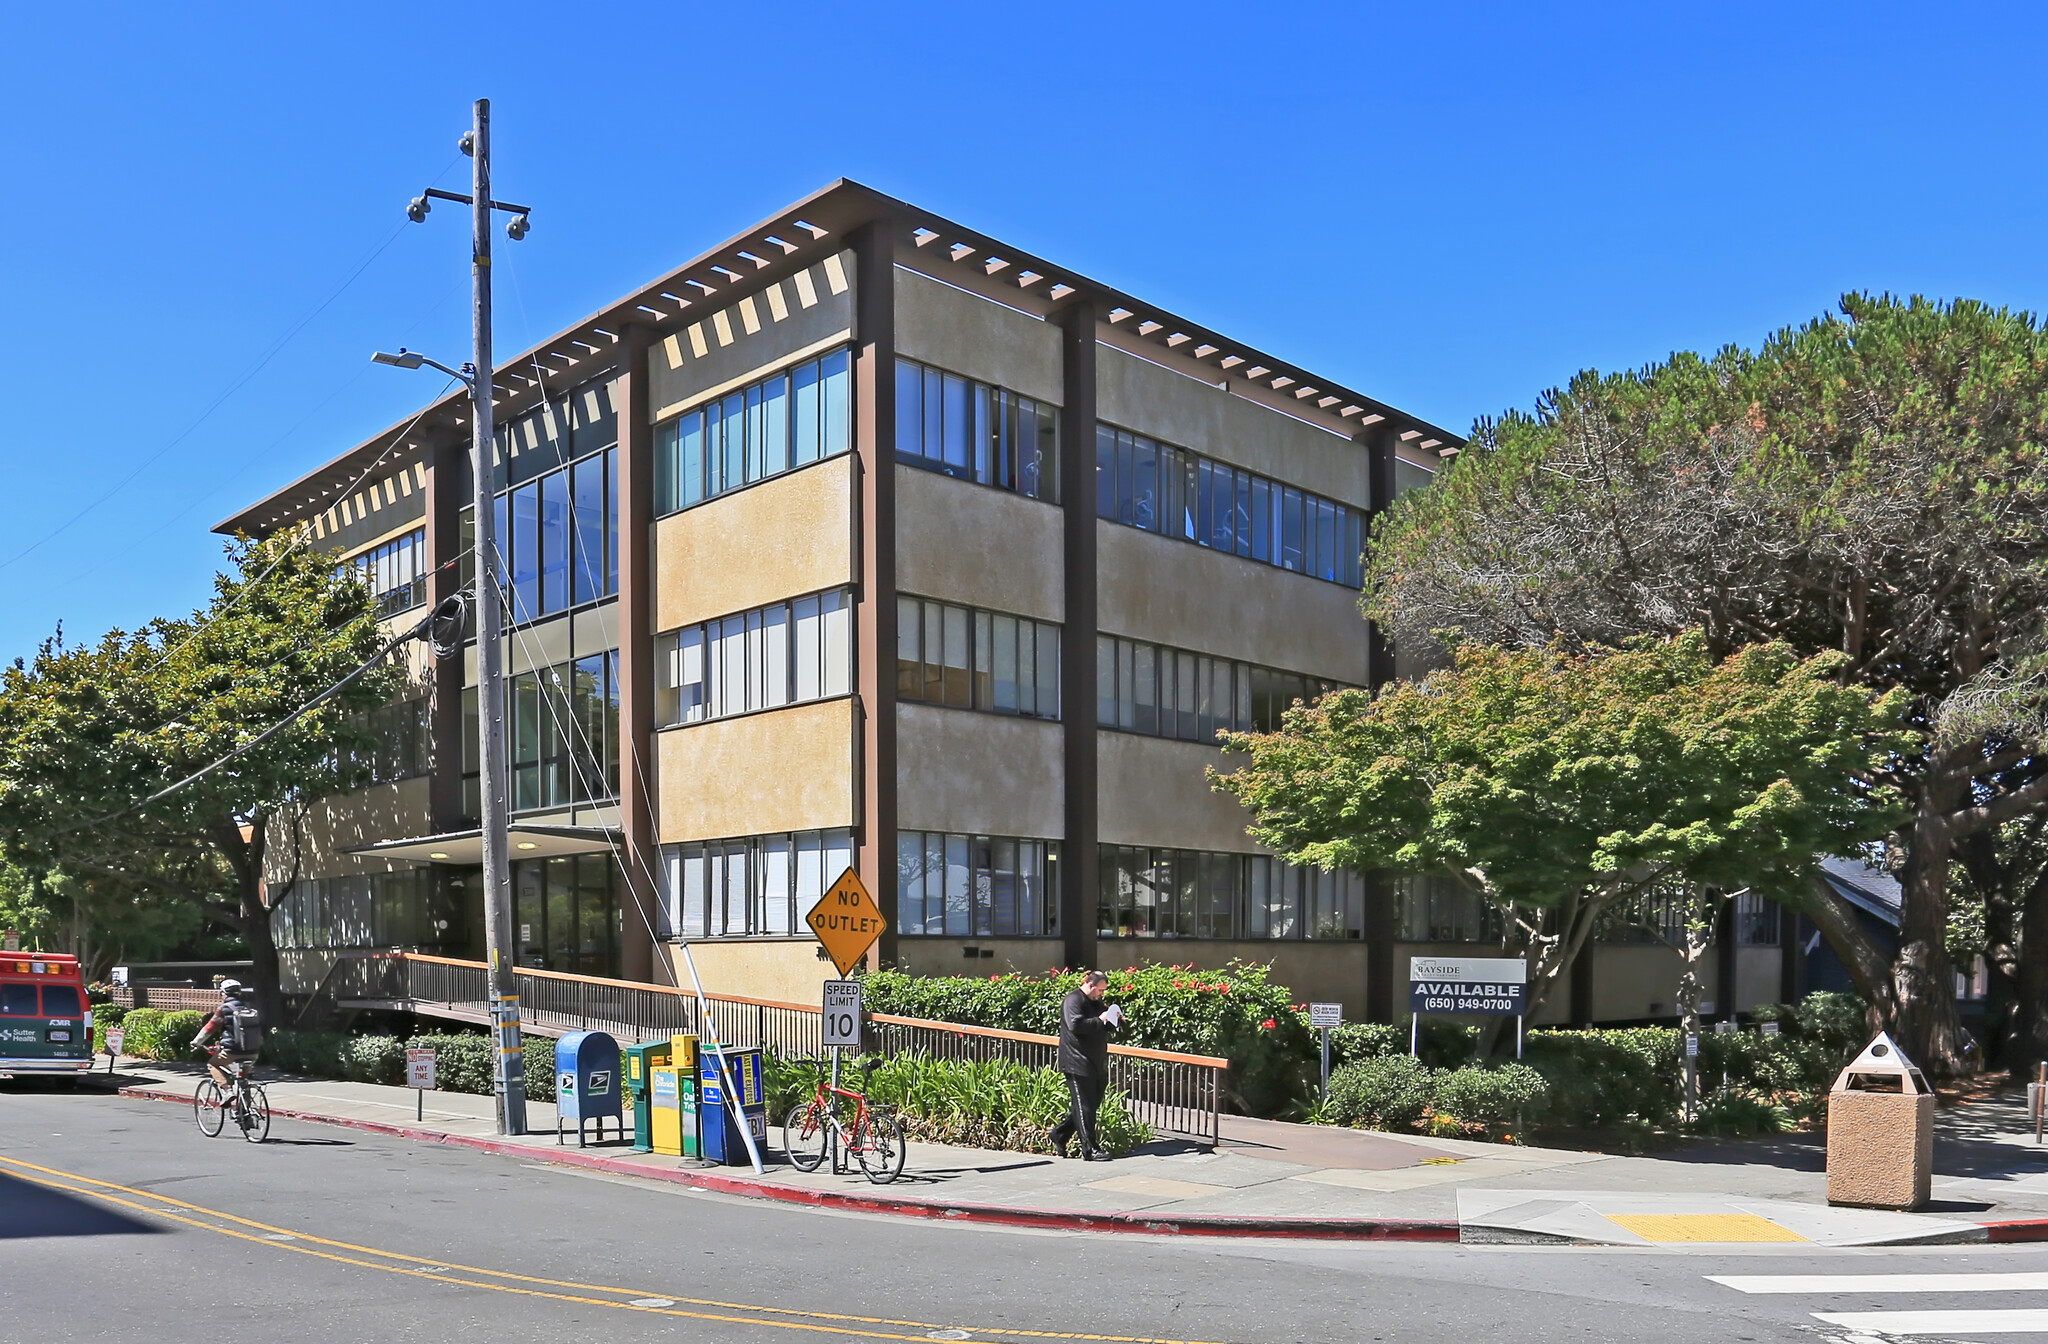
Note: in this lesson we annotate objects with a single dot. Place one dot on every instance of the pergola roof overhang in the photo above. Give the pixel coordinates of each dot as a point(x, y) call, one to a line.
point(466, 848)
point(799, 236)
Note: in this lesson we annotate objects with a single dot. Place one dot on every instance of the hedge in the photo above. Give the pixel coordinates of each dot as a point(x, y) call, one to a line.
point(462, 1061)
point(997, 1103)
point(1237, 1013)
point(152, 1033)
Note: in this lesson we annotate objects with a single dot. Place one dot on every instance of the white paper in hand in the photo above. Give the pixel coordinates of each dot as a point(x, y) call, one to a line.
point(1115, 1014)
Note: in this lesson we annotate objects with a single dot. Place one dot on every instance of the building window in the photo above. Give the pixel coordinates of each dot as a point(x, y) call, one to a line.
point(562, 738)
point(976, 886)
point(947, 655)
point(762, 885)
point(958, 427)
point(1756, 920)
point(556, 537)
point(1179, 893)
point(793, 418)
point(786, 653)
point(1165, 692)
point(1438, 908)
point(396, 571)
point(566, 913)
point(404, 909)
point(399, 745)
point(1154, 486)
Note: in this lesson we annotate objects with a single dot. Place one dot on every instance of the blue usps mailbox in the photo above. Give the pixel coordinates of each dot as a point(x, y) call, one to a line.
point(587, 1083)
point(723, 1142)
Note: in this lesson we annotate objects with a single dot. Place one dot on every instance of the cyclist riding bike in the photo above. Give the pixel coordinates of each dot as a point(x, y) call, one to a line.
point(232, 1036)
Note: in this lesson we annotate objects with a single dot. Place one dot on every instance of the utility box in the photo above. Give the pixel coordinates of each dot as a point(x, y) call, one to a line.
point(587, 1084)
point(1880, 1131)
point(723, 1141)
point(672, 1112)
point(683, 1052)
point(639, 1061)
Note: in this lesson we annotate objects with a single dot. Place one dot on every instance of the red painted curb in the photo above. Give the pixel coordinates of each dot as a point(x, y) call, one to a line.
point(753, 1187)
point(2017, 1229)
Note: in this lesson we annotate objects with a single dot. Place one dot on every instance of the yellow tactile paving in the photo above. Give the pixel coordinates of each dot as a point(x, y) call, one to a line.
point(1702, 1227)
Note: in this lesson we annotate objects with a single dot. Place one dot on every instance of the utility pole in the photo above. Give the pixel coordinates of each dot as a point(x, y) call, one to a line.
point(510, 1072)
point(490, 655)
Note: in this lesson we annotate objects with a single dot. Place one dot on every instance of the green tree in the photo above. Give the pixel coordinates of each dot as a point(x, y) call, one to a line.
point(1563, 785)
point(101, 923)
point(1873, 484)
point(88, 734)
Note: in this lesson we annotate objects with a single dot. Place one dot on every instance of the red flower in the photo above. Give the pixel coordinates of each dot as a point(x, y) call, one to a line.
point(1267, 1024)
point(1180, 984)
point(1223, 989)
point(995, 977)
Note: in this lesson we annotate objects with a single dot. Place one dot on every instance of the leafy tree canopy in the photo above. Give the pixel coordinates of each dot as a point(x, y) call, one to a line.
point(1568, 781)
point(1872, 483)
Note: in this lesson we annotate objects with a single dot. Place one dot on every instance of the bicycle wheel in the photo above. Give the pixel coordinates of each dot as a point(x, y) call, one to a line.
point(880, 1147)
point(805, 1134)
point(209, 1108)
point(255, 1113)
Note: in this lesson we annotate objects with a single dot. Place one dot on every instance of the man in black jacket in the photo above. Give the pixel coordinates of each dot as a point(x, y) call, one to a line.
point(1084, 1059)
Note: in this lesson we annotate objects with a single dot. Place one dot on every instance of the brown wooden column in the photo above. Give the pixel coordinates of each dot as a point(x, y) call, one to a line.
point(1080, 851)
point(639, 900)
point(1385, 981)
point(445, 498)
point(874, 542)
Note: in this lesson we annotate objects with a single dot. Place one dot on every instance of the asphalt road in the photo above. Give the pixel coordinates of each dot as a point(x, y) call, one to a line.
point(120, 1222)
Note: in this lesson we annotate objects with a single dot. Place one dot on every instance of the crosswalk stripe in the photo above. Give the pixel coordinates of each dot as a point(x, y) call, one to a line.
point(2031, 1320)
point(1881, 1283)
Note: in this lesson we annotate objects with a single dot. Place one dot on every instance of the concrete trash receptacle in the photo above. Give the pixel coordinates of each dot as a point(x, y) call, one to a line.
point(1880, 1131)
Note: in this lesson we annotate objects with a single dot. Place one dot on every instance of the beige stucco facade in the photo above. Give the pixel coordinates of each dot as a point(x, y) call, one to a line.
point(1010, 956)
point(1138, 395)
point(780, 770)
point(787, 970)
point(977, 546)
point(986, 774)
point(1153, 791)
point(783, 537)
point(964, 333)
point(332, 826)
point(1189, 597)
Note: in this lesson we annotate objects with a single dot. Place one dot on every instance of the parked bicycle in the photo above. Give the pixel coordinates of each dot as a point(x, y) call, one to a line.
point(243, 1101)
point(873, 1136)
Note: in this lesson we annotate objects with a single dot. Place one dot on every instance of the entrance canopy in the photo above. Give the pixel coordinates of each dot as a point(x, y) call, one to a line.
point(466, 848)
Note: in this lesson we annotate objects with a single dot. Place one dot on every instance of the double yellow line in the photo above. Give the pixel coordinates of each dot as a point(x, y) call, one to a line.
point(503, 1281)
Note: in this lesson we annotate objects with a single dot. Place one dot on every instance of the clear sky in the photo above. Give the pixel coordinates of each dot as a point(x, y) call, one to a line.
point(1451, 207)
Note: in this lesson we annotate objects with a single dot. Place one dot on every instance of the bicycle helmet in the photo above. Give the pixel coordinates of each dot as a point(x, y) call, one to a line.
point(231, 989)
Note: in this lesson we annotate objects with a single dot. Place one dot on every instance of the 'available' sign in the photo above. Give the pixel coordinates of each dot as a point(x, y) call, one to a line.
point(1492, 986)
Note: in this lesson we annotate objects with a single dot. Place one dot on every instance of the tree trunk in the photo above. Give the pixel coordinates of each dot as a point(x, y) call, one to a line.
point(1868, 966)
point(2027, 1046)
point(1923, 979)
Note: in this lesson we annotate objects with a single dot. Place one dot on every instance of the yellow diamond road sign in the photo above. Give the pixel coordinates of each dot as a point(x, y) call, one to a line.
point(847, 921)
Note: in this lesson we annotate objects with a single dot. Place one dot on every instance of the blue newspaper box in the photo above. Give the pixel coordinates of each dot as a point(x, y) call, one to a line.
point(587, 1085)
point(722, 1140)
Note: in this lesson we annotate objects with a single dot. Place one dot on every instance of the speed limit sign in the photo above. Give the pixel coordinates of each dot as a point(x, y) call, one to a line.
point(842, 1013)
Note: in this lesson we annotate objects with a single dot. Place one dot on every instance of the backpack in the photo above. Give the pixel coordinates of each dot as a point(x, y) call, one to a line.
point(245, 1029)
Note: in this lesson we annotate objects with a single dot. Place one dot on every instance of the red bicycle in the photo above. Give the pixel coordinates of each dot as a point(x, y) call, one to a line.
point(873, 1135)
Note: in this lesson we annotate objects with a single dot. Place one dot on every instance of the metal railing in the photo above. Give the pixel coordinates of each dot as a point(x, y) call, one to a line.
point(1175, 1094)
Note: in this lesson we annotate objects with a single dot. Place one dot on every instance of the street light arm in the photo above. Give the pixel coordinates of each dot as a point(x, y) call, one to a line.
point(412, 359)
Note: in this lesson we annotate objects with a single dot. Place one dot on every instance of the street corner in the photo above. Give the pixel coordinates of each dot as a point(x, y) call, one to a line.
point(1696, 1221)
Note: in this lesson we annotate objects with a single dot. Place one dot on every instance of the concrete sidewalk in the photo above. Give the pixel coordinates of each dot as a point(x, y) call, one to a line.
point(1273, 1179)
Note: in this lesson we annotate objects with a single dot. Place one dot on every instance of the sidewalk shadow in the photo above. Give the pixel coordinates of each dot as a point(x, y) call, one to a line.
point(31, 1210)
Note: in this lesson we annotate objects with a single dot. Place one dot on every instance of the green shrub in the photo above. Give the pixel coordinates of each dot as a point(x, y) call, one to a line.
point(1737, 1114)
point(462, 1061)
point(1389, 1092)
point(1477, 1094)
point(316, 1054)
point(373, 1059)
point(1237, 1013)
point(537, 1055)
point(1609, 1076)
point(152, 1033)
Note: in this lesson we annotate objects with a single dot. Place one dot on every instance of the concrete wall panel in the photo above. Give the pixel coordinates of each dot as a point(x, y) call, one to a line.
point(783, 770)
point(977, 545)
point(787, 970)
point(964, 333)
point(1171, 592)
point(780, 538)
point(946, 956)
point(364, 817)
point(986, 774)
point(1137, 395)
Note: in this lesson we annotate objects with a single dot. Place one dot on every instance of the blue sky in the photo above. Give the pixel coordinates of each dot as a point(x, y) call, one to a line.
point(1449, 206)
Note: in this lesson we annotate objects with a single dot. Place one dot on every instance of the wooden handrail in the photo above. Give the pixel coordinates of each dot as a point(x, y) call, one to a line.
point(1033, 1038)
point(959, 1028)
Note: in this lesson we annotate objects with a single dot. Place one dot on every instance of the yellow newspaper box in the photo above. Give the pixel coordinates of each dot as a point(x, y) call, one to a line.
point(683, 1051)
point(672, 1115)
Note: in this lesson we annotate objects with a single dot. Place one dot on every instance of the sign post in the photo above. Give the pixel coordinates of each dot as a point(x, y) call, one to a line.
point(1487, 986)
point(116, 1038)
point(419, 1076)
point(847, 922)
point(1324, 1016)
point(841, 1021)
